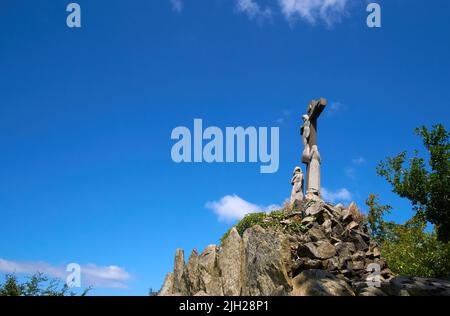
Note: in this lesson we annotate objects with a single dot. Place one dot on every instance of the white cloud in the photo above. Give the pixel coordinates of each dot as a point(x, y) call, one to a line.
point(340, 195)
point(177, 5)
point(232, 207)
point(335, 107)
point(359, 160)
point(253, 10)
point(330, 11)
point(351, 172)
point(286, 114)
point(98, 277)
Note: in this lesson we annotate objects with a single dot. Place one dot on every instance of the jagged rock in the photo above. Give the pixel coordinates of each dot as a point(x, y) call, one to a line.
point(373, 253)
point(338, 229)
point(372, 291)
point(209, 271)
point(412, 286)
point(347, 216)
point(332, 264)
point(167, 287)
point(267, 256)
point(330, 257)
point(356, 265)
point(345, 249)
point(352, 225)
point(359, 242)
point(354, 209)
point(327, 226)
point(316, 234)
point(279, 291)
point(193, 279)
point(308, 220)
point(320, 283)
point(179, 282)
point(319, 250)
point(314, 210)
point(230, 262)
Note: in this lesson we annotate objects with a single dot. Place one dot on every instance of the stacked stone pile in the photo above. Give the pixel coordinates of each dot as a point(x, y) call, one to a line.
point(331, 254)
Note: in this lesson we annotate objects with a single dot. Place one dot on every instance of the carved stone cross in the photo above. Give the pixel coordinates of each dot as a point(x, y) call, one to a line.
point(311, 156)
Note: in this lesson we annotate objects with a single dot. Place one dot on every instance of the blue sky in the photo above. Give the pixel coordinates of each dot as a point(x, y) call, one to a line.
point(86, 116)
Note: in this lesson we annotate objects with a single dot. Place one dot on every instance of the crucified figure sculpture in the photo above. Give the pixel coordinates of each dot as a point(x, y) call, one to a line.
point(311, 155)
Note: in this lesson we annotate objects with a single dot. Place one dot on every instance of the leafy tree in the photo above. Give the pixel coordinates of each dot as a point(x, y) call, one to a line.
point(427, 187)
point(152, 292)
point(37, 285)
point(408, 249)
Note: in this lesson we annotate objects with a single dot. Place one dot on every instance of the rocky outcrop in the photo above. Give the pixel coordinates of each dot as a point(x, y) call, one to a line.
point(267, 258)
point(315, 249)
point(320, 283)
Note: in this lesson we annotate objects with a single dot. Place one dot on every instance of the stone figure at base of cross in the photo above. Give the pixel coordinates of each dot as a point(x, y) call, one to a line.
point(297, 185)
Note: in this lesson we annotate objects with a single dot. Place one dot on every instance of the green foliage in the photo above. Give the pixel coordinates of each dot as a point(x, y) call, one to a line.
point(37, 285)
point(248, 221)
point(427, 187)
point(152, 292)
point(274, 220)
point(378, 227)
point(413, 251)
point(408, 249)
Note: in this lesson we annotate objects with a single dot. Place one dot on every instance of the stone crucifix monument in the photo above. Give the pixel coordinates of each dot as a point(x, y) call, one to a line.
point(310, 155)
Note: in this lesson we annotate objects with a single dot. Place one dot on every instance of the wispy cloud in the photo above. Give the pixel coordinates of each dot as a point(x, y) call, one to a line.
point(329, 11)
point(232, 207)
point(350, 172)
point(91, 274)
point(254, 10)
point(335, 107)
point(358, 160)
point(177, 5)
point(283, 117)
point(341, 195)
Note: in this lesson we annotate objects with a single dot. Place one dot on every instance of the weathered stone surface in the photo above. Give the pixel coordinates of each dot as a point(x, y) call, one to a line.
point(314, 209)
point(347, 217)
point(352, 225)
point(209, 271)
point(267, 257)
point(193, 279)
point(320, 283)
point(321, 250)
point(372, 291)
point(167, 287)
point(308, 220)
point(179, 282)
point(354, 210)
point(411, 286)
point(345, 249)
point(230, 262)
point(268, 261)
point(316, 234)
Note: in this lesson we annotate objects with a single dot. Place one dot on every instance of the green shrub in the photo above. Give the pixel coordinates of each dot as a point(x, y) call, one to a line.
point(411, 251)
point(248, 221)
point(37, 285)
point(408, 249)
point(272, 220)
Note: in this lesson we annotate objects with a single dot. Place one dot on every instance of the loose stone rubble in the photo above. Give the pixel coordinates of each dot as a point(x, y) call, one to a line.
point(333, 255)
